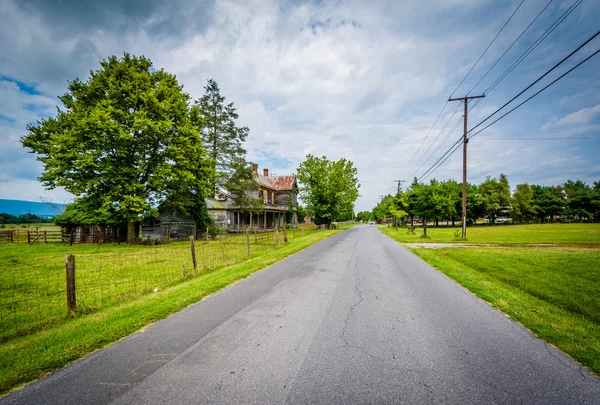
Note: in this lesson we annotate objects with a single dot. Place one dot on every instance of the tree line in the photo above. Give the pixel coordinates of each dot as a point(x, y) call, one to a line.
point(572, 201)
point(129, 141)
point(23, 219)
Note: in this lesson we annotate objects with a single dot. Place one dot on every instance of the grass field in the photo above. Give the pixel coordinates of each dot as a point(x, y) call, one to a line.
point(562, 234)
point(32, 278)
point(552, 290)
point(120, 290)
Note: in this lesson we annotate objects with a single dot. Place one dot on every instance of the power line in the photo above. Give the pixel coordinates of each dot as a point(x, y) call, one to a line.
point(428, 132)
point(457, 144)
point(525, 54)
point(529, 50)
point(488, 47)
point(511, 45)
point(435, 140)
point(446, 155)
point(533, 46)
point(538, 79)
point(439, 146)
point(538, 92)
point(539, 138)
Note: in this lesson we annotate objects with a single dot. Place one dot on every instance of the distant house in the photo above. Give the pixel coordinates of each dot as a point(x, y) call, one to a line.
point(279, 195)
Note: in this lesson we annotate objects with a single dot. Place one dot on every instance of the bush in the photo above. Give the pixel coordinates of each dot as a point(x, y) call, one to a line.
point(214, 231)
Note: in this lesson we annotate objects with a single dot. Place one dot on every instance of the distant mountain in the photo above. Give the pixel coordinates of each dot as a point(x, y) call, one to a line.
point(18, 207)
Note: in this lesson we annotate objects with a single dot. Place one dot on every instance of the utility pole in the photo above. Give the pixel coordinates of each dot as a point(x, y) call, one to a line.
point(399, 185)
point(465, 100)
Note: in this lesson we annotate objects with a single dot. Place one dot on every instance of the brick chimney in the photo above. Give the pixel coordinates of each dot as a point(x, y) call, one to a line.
point(266, 172)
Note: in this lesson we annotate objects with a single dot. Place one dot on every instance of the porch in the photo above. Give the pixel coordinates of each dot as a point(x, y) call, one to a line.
point(267, 220)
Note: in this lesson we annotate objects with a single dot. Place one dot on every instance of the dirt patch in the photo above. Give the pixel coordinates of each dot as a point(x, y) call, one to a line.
point(435, 245)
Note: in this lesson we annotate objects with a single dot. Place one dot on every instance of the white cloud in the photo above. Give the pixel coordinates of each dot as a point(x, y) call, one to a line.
point(575, 121)
point(341, 79)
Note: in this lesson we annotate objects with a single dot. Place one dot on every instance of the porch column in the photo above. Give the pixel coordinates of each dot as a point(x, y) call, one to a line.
point(238, 220)
point(265, 227)
point(251, 215)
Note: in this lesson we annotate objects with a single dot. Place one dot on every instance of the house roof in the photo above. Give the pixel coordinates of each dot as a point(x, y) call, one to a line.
point(276, 182)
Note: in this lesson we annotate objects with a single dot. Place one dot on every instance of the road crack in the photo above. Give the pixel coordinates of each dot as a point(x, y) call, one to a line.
point(360, 295)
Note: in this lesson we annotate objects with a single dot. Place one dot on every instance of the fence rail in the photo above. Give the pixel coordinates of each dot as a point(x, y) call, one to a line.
point(37, 294)
point(33, 236)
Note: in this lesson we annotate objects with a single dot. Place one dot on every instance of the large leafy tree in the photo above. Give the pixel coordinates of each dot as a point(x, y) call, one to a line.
point(522, 203)
point(495, 194)
point(548, 202)
point(124, 143)
point(328, 188)
point(364, 216)
point(595, 201)
point(424, 202)
point(579, 199)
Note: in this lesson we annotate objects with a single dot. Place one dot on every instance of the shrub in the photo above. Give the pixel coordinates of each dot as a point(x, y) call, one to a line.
point(214, 231)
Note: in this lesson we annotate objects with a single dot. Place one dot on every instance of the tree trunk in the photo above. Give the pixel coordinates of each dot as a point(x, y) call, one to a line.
point(424, 226)
point(437, 223)
point(452, 221)
point(130, 231)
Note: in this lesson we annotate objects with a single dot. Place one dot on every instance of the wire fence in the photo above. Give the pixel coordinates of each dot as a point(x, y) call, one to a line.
point(35, 294)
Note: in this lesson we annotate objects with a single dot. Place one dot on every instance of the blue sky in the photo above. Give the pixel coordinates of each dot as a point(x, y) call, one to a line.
point(354, 79)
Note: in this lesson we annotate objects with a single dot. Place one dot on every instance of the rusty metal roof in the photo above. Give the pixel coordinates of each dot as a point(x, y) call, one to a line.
point(283, 182)
point(276, 182)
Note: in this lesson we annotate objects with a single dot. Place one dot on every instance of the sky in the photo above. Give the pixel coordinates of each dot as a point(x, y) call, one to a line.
point(362, 80)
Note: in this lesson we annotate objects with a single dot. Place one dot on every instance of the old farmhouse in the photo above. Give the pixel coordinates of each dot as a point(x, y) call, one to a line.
point(279, 195)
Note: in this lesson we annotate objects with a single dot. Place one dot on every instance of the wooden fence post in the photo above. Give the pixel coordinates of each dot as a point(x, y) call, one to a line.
point(255, 237)
point(277, 237)
point(29, 237)
point(285, 240)
point(193, 253)
point(301, 231)
point(207, 233)
point(71, 300)
point(45, 237)
point(247, 241)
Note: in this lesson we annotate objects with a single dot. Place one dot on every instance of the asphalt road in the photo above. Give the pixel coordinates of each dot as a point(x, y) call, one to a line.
point(353, 319)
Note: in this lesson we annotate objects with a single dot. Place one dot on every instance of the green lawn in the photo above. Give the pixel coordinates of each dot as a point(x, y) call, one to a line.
point(32, 278)
point(554, 290)
point(114, 296)
point(576, 234)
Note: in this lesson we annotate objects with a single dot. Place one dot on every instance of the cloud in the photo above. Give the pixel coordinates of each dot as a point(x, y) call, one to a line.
point(575, 120)
point(335, 78)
